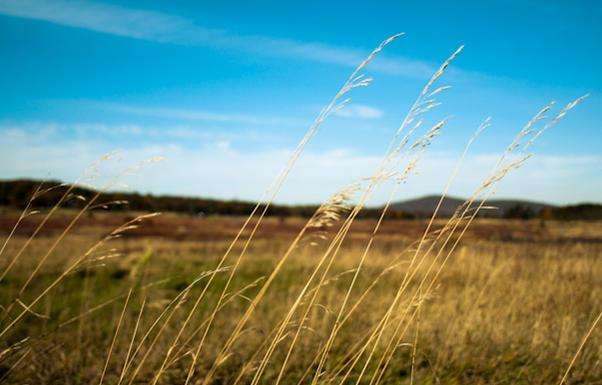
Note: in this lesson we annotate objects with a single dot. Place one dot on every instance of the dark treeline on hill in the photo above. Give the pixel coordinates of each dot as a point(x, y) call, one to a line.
point(585, 211)
point(501, 208)
point(16, 193)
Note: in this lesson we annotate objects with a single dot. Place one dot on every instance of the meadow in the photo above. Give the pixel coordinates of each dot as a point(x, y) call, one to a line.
point(511, 307)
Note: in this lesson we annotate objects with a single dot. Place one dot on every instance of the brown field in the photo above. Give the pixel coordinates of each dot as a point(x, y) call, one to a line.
point(512, 304)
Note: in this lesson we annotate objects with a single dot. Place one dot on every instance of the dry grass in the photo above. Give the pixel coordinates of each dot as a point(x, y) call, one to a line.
point(511, 311)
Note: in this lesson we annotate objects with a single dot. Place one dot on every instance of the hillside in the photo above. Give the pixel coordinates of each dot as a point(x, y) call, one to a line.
point(424, 207)
point(16, 193)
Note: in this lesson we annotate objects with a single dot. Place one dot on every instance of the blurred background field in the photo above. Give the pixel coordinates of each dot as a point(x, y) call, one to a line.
point(511, 307)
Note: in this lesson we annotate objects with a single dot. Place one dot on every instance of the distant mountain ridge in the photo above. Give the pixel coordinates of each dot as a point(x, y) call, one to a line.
point(16, 193)
point(424, 206)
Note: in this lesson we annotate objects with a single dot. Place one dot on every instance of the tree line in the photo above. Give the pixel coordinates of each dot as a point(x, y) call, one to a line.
point(17, 193)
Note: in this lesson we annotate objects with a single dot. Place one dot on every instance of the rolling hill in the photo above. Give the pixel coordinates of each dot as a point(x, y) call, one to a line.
point(424, 206)
point(15, 193)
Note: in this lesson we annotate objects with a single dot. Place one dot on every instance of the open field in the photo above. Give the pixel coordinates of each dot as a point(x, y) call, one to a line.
point(511, 305)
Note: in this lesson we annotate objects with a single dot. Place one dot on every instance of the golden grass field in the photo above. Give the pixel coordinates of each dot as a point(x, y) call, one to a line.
point(511, 306)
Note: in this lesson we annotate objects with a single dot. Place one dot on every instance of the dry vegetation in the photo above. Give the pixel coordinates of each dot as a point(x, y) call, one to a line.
point(511, 308)
point(90, 297)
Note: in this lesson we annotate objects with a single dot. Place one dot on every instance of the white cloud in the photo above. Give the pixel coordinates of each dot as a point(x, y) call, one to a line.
point(360, 111)
point(117, 133)
point(215, 169)
point(195, 115)
point(165, 28)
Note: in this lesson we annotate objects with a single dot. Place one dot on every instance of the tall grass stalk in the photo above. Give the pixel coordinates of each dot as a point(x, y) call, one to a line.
point(355, 80)
point(392, 156)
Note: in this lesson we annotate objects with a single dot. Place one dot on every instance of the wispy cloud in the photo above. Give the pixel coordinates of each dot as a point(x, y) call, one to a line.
point(29, 133)
point(360, 111)
point(196, 115)
point(213, 168)
point(173, 29)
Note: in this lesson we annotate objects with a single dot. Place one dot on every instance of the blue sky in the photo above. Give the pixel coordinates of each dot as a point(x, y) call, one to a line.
point(225, 91)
